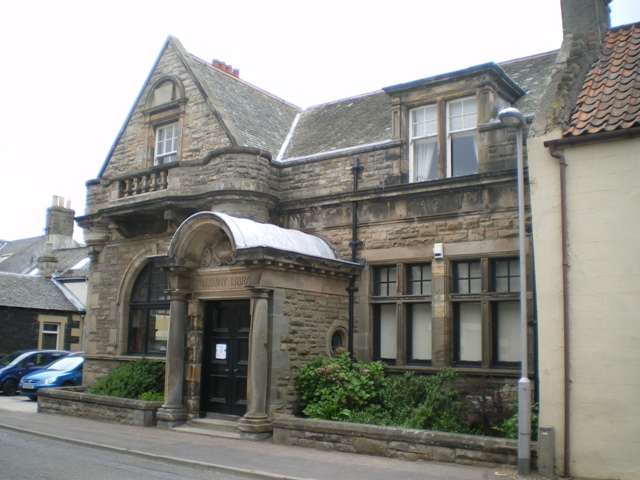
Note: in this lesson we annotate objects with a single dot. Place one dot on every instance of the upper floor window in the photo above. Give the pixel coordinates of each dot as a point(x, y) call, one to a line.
point(462, 150)
point(459, 155)
point(166, 144)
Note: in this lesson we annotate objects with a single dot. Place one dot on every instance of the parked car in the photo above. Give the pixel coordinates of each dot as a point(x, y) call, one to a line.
point(65, 372)
point(18, 364)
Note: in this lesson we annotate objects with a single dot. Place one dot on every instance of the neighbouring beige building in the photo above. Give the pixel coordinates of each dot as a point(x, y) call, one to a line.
point(585, 205)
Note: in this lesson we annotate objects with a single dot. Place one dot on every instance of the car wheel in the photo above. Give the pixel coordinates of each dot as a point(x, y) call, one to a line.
point(10, 387)
point(67, 384)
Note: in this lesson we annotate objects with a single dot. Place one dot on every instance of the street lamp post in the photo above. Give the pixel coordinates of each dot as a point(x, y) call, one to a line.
point(513, 118)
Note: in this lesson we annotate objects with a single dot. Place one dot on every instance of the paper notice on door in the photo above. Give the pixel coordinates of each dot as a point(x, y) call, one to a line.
point(221, 351)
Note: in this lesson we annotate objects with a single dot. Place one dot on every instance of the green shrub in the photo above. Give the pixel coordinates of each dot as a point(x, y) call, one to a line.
point(335, 388)
point(509, 426)
point(132, 380)
point(426, 402)
point(338, 389)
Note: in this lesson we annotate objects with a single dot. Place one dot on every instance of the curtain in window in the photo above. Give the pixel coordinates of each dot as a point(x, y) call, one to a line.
point(508, 334)
point(420, 331)
point(470, 332)
point(388, 331)
point(426, 160)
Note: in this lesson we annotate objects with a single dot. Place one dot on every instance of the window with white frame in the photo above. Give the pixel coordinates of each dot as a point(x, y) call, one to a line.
point(50, 334)
point(424, 143)
point(486, 312)
point(402, 311)
point(460, 156)
point(462, 149)
point(166, 144)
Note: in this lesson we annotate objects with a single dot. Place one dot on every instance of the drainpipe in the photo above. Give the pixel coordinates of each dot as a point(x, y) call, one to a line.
point(565, 303)
point(354, 244)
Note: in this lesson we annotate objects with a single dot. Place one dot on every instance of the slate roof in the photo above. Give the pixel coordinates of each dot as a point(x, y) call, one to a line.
point(32, 292)
point(351, 122)
point(610, 97)
point(532, 74)
point(262, 119)
point(366, 119)
point(69, 258)
point(19, 256)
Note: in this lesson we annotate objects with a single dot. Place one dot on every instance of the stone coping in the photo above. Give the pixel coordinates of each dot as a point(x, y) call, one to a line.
point(393, 442)
point(74, 401)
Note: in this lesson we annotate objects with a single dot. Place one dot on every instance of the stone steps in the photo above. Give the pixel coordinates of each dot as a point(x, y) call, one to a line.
point(222, 426)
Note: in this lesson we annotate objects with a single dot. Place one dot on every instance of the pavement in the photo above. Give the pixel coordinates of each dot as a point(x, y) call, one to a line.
point(246, 459)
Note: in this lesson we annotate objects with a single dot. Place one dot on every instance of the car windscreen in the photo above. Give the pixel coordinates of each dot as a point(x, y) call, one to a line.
point(13, 358)
point(66, 363)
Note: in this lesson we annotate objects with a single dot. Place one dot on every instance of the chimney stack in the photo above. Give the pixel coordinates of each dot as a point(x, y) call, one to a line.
point(47, 263)
point(226, 68)
point(590, 18)
point(59, 218)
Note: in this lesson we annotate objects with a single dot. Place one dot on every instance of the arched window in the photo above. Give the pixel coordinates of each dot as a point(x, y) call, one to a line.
point(149, 313)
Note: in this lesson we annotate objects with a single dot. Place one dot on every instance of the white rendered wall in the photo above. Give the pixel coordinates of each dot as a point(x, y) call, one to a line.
point(603, 211)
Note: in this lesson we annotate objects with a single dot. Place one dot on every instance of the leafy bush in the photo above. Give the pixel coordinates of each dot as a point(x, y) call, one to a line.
point(488, 408)
point(338, 389)
point(424, 402)
point(334, 388)
point(137, 379)
point(509, 426)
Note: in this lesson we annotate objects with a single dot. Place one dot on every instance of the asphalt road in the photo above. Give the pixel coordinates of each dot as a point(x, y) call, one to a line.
point(31, 457)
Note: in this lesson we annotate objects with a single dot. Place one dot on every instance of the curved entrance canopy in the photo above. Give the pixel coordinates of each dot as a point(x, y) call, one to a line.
point(197, 231)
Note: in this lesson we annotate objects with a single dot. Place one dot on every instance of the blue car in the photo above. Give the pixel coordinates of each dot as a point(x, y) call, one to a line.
point(66, 372)
point(18, 364)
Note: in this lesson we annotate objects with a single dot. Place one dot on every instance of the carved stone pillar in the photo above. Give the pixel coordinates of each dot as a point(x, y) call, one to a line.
point(256, 424)
point(173, 413)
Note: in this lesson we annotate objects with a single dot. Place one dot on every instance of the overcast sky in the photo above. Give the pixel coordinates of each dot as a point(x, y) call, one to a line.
point(72, 69)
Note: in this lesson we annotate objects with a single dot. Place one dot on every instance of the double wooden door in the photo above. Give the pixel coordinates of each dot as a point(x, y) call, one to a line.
point(225, 356)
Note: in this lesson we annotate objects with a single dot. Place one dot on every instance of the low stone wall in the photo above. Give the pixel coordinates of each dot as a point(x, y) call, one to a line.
point(98, 407)
point(400, 443)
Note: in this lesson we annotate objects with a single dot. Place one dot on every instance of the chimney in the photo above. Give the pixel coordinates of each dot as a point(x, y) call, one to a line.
point(226, 68)
point(47, 263)
point(589, 18)
point(59, 218)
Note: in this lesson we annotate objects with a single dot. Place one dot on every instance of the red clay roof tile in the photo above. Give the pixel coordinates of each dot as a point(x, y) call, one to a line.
point(610, 97)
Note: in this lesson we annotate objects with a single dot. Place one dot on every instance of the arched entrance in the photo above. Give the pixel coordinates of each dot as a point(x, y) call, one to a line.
point(223, 272)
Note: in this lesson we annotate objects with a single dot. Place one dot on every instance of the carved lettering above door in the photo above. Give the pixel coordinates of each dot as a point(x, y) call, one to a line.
point(220, 282)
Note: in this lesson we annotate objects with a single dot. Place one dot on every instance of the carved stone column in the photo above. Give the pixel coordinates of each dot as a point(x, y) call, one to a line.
point(256, 424)
point(173, 413)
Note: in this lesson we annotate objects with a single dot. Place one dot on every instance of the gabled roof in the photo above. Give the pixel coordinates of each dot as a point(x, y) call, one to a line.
point(610, 97)
point(262, 119)
point(19, 256)
point(254, 118)
point(32, 292)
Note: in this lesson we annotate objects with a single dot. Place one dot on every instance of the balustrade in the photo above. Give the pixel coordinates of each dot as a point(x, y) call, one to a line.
point(147, 182)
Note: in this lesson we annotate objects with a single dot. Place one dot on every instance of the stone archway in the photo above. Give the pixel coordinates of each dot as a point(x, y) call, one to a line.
point(207, 240)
